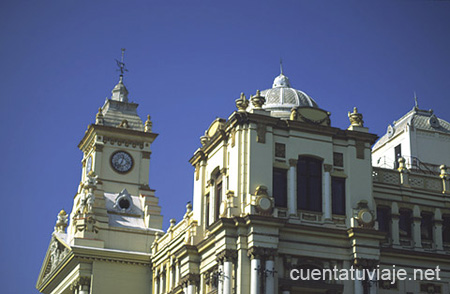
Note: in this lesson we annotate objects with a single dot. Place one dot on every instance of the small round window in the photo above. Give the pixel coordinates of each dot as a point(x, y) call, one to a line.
point(124, 203)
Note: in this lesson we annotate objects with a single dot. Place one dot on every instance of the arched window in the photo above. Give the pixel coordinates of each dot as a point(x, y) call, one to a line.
point(309, 183)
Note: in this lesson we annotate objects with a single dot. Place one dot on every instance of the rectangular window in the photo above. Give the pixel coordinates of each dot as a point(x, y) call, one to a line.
point(280, 187)
point(446, 229)
point(218, 195)
point(309, 184)
point(384, 218)
point(405, 223)
point(426, 226)
point(338, 195)
point(398, 154)
point(207, 210)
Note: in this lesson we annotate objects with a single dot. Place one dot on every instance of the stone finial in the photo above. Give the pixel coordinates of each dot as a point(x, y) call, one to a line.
point(401, 164)
point(172, 222)
point(444, 174)
point(188, 207)
point(99, 117)
point(356, 119)
point(258, 100)
point(61, 221)
point(242, 103)
point(148, 125)
point(294, 114)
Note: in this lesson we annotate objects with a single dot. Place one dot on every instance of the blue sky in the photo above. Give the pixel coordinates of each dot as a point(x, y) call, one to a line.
point(188, 61)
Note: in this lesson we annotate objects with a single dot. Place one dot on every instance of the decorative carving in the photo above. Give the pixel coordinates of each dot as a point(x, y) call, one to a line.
point(57, 253)
point(123, 201)
point(261, 133)
point(364, 263)
point(261, 253)
point(338, 159)
point(80, 284)
point(227, 255)
point(124, 124)
point(204, 139)
point(146, 154)
point(258, 100)
point(148, 125)
point(233, 137)
point(190, 279)
point(280, 150)
point(430, 288)
point(293, 162)
point(327, 167)
point(242, 103)
point(61, 222)
point(364, 216)
point(264, 204)
point(356, 119)
point(98, 147)
point(126, 143)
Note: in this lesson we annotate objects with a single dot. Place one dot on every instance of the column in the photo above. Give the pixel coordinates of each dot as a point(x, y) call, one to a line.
point(254, 276)
point(220, 282)
point(395, 230)
point(285, 290)
point(373, 286)
point(84, 289)
point(156, 279)
point(358, 282)
point(191, 288)
point(437, 233)
point(227, 276)
point(327, 192)
point(292, 189)
point(417, 221)
point(270, 275)
point(255, 268)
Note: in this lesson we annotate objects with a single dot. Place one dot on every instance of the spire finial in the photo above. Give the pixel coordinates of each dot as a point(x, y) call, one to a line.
point(121, 64)
point(281, 66)
point(416, 104)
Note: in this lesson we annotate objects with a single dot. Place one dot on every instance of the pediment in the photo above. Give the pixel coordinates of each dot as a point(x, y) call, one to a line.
point(57, 252)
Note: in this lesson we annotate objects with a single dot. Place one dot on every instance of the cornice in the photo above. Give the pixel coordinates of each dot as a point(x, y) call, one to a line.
point(242, 118)
point(94, 129)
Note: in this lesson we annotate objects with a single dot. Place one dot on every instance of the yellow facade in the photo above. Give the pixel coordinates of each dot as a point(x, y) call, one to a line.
point(276, 188)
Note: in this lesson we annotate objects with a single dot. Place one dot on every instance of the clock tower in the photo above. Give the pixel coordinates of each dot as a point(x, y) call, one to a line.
point(115, 217)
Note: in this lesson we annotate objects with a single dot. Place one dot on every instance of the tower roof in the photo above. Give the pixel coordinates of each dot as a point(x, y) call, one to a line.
point(415, 119)
point(120, 92)
point(281, 98)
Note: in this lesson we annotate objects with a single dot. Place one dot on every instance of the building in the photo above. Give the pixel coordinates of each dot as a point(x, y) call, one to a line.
point(276, 188)
point(115, 215)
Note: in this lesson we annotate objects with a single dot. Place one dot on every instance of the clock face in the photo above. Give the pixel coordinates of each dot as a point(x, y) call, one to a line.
point(89, 165)
point(121, 161)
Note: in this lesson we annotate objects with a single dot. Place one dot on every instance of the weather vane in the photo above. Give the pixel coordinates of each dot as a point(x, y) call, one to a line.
point(121, 64)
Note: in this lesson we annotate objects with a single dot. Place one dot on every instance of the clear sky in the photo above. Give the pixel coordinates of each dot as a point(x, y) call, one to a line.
point(188, 61)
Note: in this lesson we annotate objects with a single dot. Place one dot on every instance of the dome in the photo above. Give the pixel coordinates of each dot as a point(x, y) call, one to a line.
point(282, 98)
